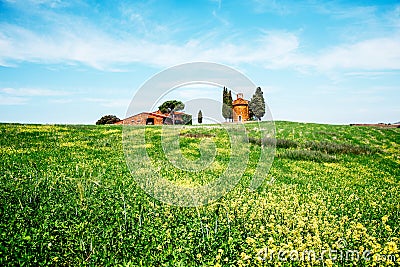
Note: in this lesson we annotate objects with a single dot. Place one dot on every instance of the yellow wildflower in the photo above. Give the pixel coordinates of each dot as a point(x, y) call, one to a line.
point(245, 256)
point(385, 218)
point(392, 247)
point(329, 262)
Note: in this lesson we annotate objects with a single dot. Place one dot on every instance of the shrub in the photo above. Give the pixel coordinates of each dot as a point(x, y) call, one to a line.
point(187, 119)
point(286, 143)
point(310, 155)
point(107, 119)
point(253, 140)
point(337, 148)
point(279, 143)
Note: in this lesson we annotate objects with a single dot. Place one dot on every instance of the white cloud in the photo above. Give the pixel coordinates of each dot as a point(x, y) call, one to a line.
point(85, 44)
point(47, 3)
point(368, 74)
point(32, 92)
point(271, 6)
point(12, 100)
point(224, 21)
point(99, 50)
point(372, 54)
point(21, 96)
point(362, 13)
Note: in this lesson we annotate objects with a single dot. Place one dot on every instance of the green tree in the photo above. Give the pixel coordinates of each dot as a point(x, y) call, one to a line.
point(170, 107)
point(230, 105)
point(227, 112)
point(107, 119)
point(225, 104)
point(251, 115)
point(200, 117)
point(187, 119)
point(257, 104)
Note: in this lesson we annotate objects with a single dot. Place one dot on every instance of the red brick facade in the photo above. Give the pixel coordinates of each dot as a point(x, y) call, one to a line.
point(240, 109)
point(152, 118)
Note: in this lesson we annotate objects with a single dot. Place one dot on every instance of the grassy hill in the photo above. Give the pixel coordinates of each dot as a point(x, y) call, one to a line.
point(67, 198)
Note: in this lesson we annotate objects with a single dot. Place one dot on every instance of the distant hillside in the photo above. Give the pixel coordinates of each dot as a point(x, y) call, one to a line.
point(381, 125)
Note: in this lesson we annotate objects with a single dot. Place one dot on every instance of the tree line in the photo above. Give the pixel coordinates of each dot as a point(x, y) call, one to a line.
point(256, 109)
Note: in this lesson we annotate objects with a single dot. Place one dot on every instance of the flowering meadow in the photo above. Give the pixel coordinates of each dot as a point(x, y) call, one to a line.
point(330, 198)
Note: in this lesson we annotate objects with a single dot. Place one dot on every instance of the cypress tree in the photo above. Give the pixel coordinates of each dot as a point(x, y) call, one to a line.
point(229, 103)
point(200, 117)
point(257, 104)
point(225, 104)
point(251, 114)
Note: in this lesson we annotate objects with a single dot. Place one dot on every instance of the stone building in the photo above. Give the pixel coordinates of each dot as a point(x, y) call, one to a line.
point(153, 118)
point(240, 109)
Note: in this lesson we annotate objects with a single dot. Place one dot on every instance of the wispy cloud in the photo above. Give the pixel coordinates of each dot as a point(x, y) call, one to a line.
point(363, 13)
point(372, 54)
point(26, 92)
point(224, 21)
point(263, 6)
point(21, 96)
point(75, 41)
point(102, 51)
point(12, 100)
point(271, 49)
point(137, 17)
point(370, 74)
point(47, 3)
point(219, 2)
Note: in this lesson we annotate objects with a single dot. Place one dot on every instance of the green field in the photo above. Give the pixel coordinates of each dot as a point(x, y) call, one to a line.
point(68, 198)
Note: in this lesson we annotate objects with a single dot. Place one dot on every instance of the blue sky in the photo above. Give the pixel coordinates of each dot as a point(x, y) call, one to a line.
point(316, 61)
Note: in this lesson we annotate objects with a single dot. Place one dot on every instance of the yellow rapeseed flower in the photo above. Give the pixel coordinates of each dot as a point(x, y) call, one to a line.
point(392, 247)
point(250, 240)
point(385, 218)
point(245, 256)
point(329, 262)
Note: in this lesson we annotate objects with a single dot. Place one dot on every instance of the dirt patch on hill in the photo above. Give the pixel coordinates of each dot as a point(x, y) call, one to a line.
point(198, 135)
